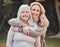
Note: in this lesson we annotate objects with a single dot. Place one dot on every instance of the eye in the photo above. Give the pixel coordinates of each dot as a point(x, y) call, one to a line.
point(27, 12)
point(23, 12)
point(33, 9)
point(37, 10)
point(23, 16)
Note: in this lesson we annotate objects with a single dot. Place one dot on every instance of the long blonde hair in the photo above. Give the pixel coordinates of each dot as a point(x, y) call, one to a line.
point(42, 17)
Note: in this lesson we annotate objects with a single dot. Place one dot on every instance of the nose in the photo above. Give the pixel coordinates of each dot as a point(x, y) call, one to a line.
point(25, 13)
point(35, 12)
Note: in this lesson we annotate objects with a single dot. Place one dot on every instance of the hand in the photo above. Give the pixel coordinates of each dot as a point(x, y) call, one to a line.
point(26, 32)
point(14, 28)
point(26, 28)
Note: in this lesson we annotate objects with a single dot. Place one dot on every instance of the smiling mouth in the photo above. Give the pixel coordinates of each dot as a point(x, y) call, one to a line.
point(35, 16)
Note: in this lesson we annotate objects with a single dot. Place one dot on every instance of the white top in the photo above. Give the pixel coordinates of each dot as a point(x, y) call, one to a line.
point(17, 39)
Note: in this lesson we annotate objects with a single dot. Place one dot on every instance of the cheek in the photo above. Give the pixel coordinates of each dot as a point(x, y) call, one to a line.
point(38, 14)
point(28, 15)
point(21, 17)
point(32, 12)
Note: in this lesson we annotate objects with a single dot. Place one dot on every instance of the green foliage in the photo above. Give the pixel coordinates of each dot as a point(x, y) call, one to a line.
point(50, 42)
point(2, 42)
point(5, 14)
point(53, 42)
point(7, 1)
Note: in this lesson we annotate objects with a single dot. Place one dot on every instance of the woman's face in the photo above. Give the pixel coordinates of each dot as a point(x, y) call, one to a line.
point(25, 14)
point(35, 10)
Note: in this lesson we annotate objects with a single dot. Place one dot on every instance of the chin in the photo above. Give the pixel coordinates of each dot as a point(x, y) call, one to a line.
point(25, 19)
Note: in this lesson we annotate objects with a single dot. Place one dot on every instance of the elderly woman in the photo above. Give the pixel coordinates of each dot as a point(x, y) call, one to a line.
point(17, 39)
point(38, 15)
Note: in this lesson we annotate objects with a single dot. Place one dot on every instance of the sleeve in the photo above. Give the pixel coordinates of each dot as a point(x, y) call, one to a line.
point(34, 34)
point(44, 30)
point(14, 22)
point(10, 35)
point(41, 29)
point(38, 32)
point(31, 32)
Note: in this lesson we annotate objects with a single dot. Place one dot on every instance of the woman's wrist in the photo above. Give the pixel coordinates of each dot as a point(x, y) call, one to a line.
point(20, 29)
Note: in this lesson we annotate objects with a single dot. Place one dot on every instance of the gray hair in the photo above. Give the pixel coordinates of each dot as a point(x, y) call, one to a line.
point(30, 21)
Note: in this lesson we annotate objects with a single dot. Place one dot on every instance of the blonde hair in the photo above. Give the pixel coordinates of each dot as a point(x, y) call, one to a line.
point(40, 5)
point(42, 15)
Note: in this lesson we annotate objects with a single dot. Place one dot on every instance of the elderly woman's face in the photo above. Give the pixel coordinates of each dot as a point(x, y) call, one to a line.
point(25, 14)
point(35, 11)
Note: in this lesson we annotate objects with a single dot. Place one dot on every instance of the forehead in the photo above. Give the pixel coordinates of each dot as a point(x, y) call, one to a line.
point(35, 6)
point(25, 9)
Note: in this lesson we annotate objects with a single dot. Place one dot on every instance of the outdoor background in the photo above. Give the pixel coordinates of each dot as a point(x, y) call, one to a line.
point(9, 8)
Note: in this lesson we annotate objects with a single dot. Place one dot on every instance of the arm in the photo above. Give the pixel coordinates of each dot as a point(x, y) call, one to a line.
point(31, 33)
point(15, 22)
point(10, 36)
point(35, 34)
point(27, 32)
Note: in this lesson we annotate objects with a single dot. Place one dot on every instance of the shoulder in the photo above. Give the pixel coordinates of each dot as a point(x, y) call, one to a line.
point(14, 21)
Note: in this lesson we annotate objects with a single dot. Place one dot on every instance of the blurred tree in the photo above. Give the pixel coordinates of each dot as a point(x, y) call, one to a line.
point(40, 0)
point(52, 17)
point(9, 8)
point(5, 14)
point(28, 1)
point(57, 4)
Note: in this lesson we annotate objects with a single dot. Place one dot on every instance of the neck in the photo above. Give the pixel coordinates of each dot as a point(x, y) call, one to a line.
point(35, 19)
point(25, 21)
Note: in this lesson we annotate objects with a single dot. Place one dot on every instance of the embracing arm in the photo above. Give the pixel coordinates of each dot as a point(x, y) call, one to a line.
point(27, 32)
point(31, 33)
point(15, 22)
point(39, 32)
